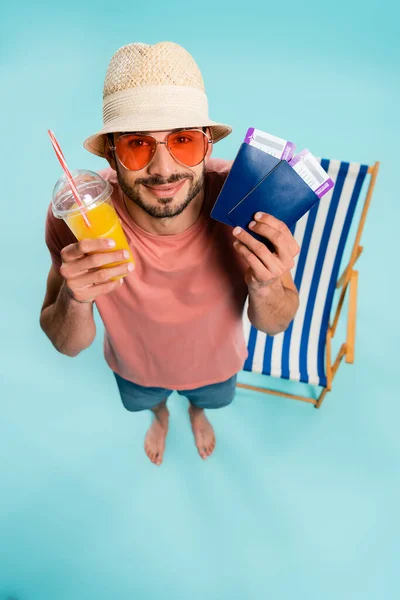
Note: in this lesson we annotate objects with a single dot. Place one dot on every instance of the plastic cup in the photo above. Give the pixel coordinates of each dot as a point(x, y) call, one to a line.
point(95, 194)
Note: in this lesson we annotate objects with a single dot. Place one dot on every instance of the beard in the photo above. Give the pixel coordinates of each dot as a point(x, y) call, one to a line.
point(164, 210)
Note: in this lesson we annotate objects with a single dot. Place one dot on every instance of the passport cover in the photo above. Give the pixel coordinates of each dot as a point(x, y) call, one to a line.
point(282, 193)
point(251, 165)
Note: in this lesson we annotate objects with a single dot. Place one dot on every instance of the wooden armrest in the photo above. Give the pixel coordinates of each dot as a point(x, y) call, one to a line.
point(345, 276)
point(340, 303)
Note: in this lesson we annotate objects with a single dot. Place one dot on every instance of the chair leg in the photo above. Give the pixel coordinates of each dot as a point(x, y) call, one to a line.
point(321, 397)
point(351, 319)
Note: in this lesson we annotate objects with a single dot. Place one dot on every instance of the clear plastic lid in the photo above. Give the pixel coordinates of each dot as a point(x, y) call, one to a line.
point(92, 190)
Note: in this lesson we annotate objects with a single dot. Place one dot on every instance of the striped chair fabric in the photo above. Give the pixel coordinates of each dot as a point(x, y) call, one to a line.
point(298, 353)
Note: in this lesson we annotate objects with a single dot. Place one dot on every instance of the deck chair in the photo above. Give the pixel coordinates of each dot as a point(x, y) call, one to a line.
point(302, 353)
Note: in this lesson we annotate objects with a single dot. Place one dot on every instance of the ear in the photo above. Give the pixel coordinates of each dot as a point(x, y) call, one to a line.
point(109, 154)
point(210, 146)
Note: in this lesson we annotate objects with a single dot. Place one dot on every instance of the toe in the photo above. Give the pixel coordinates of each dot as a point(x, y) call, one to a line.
point(211, 448)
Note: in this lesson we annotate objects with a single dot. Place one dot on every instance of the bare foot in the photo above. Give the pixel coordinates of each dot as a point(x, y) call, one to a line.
point(154, 443)
point(203, 432)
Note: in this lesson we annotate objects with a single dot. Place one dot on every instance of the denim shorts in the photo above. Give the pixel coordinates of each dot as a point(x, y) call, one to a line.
point(137, 397)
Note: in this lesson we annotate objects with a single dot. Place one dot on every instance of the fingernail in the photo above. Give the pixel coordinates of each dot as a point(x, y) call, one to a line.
point(236, 243)
point(126, 254)
point(111, 243)
point(237, 230)
point(258, 215)
point(121, 281)
point(130, 267)
point(252, 224)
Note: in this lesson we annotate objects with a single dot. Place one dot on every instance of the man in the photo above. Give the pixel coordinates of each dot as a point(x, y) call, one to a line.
point(176, 321)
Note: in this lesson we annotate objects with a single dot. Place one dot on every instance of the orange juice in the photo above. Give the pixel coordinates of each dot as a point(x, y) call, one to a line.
point(104, 223)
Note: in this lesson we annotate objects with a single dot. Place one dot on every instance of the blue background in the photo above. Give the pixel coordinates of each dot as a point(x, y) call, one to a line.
point(295, 502)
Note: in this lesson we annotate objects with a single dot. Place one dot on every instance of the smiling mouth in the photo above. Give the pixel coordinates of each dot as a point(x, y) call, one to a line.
point(165, 191)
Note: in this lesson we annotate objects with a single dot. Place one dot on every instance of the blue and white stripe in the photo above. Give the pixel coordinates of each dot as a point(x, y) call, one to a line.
point(299, 352)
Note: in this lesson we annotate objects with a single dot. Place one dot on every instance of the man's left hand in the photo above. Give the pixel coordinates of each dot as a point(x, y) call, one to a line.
point(266, 267)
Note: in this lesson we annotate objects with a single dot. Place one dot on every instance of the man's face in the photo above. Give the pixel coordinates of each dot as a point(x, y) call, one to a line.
point(164, 188)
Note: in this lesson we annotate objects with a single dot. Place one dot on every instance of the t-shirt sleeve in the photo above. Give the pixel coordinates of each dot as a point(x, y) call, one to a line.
point(57, 236)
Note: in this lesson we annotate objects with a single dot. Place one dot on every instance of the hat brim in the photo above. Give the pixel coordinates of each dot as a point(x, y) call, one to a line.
point(95, 143)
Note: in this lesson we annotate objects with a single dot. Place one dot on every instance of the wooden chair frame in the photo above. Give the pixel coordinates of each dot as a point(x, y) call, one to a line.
point(347, 281)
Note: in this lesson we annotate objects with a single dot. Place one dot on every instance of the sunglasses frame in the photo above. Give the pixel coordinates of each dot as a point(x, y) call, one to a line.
point(164, 143)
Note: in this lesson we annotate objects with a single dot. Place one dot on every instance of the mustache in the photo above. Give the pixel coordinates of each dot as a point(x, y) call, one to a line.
point(156, 180)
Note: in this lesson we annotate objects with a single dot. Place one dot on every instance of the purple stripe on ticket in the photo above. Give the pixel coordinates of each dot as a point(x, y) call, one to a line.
point(249, 135)
point(288, 151)
point(324, 188)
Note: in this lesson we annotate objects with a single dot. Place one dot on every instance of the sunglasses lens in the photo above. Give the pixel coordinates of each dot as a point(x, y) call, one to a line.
point(135, 151)
point(189, 147)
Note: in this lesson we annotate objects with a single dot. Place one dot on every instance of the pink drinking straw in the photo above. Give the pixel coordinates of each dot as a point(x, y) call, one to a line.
point(68, 175)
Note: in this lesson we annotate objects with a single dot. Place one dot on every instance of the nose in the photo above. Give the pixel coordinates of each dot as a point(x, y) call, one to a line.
point(162, 164)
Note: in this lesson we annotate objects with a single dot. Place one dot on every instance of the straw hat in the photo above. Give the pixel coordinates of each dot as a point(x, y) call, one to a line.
point(153, 88)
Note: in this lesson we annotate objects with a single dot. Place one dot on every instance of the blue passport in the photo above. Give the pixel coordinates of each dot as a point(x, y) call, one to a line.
point(249, 168)
point(260, 182)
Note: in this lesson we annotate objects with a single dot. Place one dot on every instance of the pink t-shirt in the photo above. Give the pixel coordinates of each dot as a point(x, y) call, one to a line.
point(177, 320)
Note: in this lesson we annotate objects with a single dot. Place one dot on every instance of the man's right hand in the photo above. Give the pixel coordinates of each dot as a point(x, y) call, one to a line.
point(82, 272)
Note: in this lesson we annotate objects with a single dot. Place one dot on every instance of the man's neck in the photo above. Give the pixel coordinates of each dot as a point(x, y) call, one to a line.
point(167, 226)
